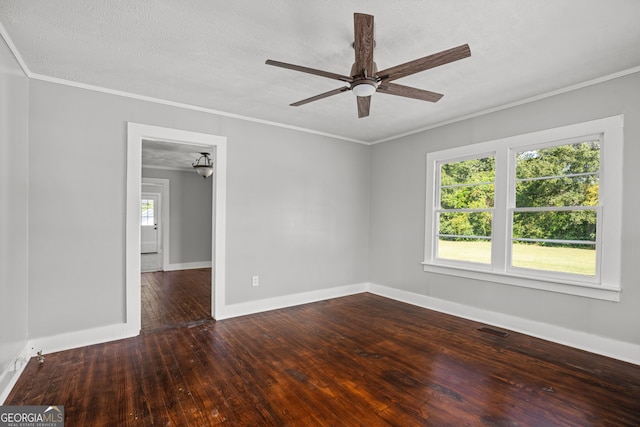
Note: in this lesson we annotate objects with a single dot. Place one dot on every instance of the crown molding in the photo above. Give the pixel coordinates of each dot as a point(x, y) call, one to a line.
point(515, 103)
point(35, 76)
point(14, 50)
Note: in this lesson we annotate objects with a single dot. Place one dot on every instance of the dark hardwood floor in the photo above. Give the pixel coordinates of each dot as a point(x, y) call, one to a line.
point(361, 360)
point(174, 298)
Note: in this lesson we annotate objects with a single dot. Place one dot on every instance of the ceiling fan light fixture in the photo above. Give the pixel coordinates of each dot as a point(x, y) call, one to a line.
point(364, 87)
point(365, 79)
point(204, 169)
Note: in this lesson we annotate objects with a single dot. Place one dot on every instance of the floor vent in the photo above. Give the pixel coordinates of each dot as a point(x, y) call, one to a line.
point(494, 332)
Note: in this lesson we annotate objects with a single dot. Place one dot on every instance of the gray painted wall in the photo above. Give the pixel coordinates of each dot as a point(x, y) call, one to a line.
point(398, 206)
point(189, 215)
point(297, 206)
point(14, 206)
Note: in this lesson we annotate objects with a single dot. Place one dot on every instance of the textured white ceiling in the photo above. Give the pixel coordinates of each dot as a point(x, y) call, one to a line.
point(211, 54)
point(171, 155)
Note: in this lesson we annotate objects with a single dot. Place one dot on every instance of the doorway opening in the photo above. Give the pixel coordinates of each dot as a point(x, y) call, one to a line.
point(136, 134)
point(178, 292)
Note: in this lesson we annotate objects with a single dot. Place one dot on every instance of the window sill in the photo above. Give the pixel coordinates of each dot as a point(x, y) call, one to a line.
point(601, 292)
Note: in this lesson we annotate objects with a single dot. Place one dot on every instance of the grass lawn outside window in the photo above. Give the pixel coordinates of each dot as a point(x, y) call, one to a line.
point(571, 260)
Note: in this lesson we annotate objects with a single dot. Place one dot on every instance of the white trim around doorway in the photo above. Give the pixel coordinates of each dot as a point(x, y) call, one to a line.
point(136, 133)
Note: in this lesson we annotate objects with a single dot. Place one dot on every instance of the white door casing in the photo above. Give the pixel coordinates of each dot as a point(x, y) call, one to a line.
point(136, 132)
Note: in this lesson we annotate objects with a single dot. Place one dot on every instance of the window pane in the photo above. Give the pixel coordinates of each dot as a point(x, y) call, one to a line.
point(564, 175)
point(146, 217)
point(468, 171)
point(469, 185)
point(465, 224)
point(469, 250)
point(556, 225)
point(567, 191)
point(583, 157)
point(575, 259)
point(458, 236)
point(476, 196)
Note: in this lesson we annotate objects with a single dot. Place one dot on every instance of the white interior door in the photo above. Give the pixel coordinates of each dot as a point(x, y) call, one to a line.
point(149, 223)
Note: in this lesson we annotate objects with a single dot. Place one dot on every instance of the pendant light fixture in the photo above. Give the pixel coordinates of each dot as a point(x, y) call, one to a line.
point(204, 169)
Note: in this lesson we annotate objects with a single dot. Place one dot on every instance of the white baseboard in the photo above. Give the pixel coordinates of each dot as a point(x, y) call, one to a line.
point(258, 306)
point(592, 343)
point(82, 338)
point(10, 375)
point(620, 350)
point(56, 343)
point(188, 266)
point(76, 339)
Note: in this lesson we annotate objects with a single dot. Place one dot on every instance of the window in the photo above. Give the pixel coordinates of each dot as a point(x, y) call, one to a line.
point(465, 210)
point(540, 210)
point(554, 220)
point(146, 217)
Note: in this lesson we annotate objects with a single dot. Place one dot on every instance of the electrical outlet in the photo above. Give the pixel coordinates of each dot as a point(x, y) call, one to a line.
point(255, 281)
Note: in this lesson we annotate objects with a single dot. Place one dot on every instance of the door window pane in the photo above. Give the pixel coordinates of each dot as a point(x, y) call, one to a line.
point(147, 217)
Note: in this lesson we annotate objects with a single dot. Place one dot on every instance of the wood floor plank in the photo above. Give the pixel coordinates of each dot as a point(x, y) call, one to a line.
point(171, 298)
point(358, 360)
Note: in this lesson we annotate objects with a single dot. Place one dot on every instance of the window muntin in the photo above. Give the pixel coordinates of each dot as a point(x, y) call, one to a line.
point(556, 191)
point(466, 199)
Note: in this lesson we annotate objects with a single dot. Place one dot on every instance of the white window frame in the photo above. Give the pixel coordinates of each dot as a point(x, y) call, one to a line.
point(436, 207)
point(606, 285)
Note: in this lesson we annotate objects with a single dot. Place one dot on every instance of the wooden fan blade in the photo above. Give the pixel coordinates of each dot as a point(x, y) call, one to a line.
point(322, 95)
point(431, 61)
point(409, 92)
point(364, 104)
point(363, 44)
point(309, 70)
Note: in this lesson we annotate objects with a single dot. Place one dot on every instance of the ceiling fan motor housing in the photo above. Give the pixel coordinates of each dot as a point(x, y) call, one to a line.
point(364, 86)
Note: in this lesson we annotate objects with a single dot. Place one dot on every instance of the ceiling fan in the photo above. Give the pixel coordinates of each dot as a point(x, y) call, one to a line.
point(365, 79)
